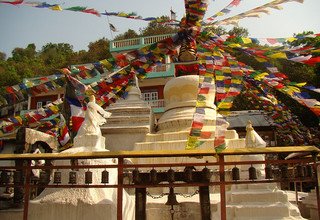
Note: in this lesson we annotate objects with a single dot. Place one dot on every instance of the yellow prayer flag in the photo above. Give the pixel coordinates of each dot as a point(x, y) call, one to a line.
point(301, 84)
point(156, 50)
point(219, 78)
point(224, 105)
point(294, 89)
point(208, 74)
point(261, 60)
point(217, 54)
point(200, 104)
point(145, 66)
point(192, 142)
point(19, 119)
point(261, 76)
point(236, 81)
point(219, 13)
point(226, 69)
point(279, 55)
point(122, 14)
point(234, 45)
point(54, 108)
point(106, 63)
point(56, 8)
point(246, 40)
point(290, 39)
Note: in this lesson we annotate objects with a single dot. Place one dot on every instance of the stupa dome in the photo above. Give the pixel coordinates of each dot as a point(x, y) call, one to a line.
point(182, 92)
point(180, 95)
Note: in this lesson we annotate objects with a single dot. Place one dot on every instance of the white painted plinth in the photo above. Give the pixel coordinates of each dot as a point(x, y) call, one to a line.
point(82, 203)
point(90, 141)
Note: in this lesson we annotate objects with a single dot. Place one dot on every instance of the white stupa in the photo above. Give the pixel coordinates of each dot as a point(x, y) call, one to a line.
point(83, 203)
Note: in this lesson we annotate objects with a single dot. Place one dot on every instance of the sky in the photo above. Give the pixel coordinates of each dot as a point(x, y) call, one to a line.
point(21, 25)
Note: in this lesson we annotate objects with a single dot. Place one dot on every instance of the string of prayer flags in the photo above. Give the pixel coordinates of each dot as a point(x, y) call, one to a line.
point(255, 12)
point(31, 117)
point(84, 9)
point(16, 2)
point(224, 11)
point(289, 127)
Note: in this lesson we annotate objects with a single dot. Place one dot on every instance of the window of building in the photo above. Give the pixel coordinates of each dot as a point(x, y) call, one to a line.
point(152, 98)
point(147, 96)
point(39, 105)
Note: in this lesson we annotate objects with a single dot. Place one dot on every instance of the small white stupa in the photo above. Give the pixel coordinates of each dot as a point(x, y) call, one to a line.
point(84, 203)
point(257, 201)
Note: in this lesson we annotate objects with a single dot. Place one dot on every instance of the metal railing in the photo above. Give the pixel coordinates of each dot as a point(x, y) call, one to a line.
point(135, 43)
point(220, 165)
point(156, 103)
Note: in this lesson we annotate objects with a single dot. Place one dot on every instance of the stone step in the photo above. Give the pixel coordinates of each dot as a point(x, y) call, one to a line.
point(168, 136)
point(134, 128)
point(128, 119)
point(268, 218)
point(169, 145)
point(129, 111)
point(256, 196)
point(180, 135)
point(257, 186)
point(259, 210)
point(180, 144)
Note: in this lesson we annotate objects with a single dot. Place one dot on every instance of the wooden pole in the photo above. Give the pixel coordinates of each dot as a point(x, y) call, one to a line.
point(120, 188)
point(27, 191)
point(205, 202)
point(141, 200)
point(222, 188)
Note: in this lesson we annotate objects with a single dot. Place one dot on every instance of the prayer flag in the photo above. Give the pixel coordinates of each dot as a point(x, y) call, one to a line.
point(77, 113)
point(113, 28)
point(64, 136)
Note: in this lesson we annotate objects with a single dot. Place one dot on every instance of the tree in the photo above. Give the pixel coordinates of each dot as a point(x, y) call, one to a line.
point(158, 27)
point(2, 56)
point(302, 40)
point(99, 50)
point(56, 56)
point(24, 62)
point(24, 54)
point(217, 30)
point(236, 31)
point(8, 75)
point(127, 35)
point(239, 32)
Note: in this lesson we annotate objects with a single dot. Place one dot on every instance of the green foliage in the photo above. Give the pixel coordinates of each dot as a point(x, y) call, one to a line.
point(297, 72)
point(239, 32)
point(127, 35)
point(156, 28)
point(218, 30)
point(309, 41)
point(8, 75)
point(153, 28)
point(236, 31)
point(28, 62)
point(99, 50)
point(56, 56)
point(2, 56)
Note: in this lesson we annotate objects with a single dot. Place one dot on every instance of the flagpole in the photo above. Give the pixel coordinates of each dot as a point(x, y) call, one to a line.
point(109, 25)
